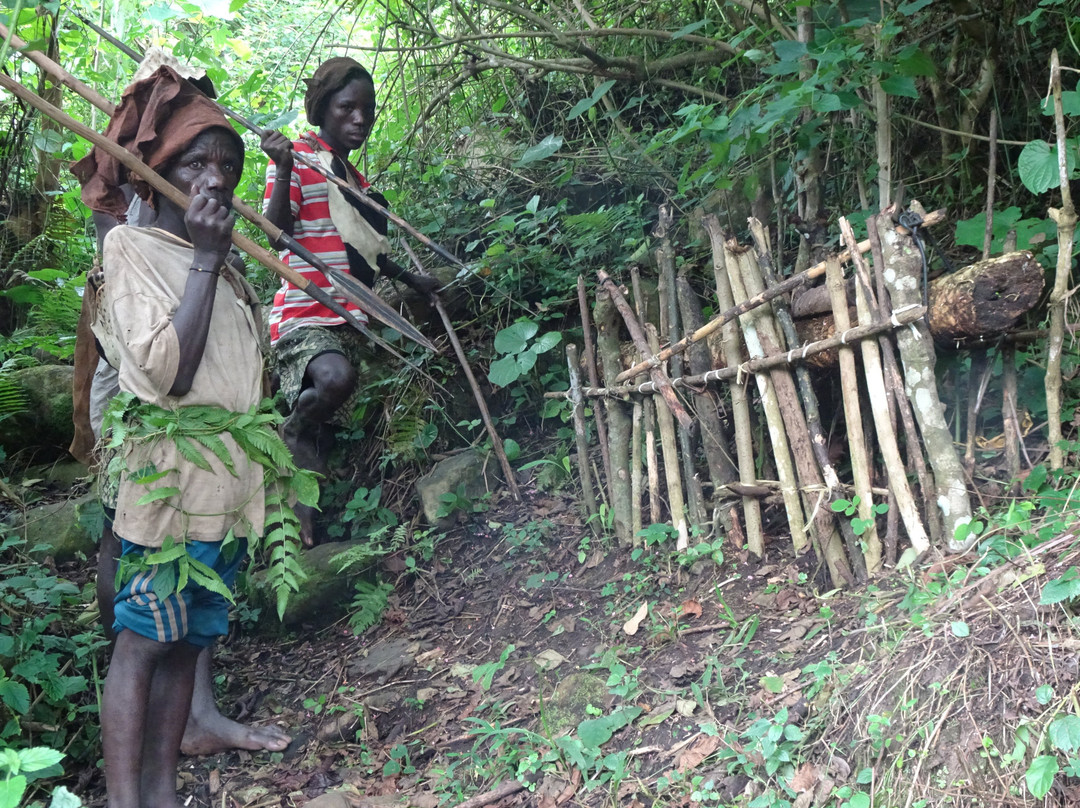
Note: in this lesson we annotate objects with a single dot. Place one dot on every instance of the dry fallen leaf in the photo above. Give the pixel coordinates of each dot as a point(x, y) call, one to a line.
point(685, 707)
point(690, 608)
point(632, 625)
point(549, 660)
point(698, 751)
point(805, 778)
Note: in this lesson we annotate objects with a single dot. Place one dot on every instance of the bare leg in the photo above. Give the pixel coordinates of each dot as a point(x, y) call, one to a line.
point(170, 702)
point(329, 381)
point(209, 732)
point(140, 766)
point(108, 553)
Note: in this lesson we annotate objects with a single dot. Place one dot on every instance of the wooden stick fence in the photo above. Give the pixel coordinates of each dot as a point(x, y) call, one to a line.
point(708, 475)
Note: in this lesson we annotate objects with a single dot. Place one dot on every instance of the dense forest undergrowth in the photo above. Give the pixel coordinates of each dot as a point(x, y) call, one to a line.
point(540, 143)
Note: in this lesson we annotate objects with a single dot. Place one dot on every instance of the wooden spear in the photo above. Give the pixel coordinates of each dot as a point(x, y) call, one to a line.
point(357, 292)
point(481, 403)
point(356, 193)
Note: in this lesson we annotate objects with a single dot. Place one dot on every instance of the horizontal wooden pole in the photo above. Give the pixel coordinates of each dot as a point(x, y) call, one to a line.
point(898, 320)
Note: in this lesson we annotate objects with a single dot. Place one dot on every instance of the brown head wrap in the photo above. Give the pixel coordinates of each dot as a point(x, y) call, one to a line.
point(156, 120)
point(332, 75)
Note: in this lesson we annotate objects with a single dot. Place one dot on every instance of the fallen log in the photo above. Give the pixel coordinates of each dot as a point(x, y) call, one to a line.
point(985, 298)
point(981, 300)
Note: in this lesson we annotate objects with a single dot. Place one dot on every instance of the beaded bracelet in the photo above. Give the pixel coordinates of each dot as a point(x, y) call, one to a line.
point(201, 269)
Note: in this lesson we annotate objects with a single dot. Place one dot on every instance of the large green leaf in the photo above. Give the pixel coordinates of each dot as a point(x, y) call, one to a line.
point(541, 151)
point(1040, 775)
point(38, 758)
point(515, 338)
point(11, 791)
point(1067, 587)
point(504, 371)
point(1065, 733)
point(900, 85)
point(14, 695)
point(585, 104)
point(1038, 166)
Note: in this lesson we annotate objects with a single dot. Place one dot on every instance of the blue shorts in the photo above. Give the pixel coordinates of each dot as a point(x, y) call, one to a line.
point(195, 614)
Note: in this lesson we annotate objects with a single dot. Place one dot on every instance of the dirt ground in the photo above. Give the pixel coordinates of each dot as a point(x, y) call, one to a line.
point(743, 681)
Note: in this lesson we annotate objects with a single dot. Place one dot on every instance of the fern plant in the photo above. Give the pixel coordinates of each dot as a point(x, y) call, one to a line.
point(368, 604)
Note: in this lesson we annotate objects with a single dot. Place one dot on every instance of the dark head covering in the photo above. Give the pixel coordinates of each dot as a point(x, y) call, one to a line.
point(157, 119)
point(332, 75)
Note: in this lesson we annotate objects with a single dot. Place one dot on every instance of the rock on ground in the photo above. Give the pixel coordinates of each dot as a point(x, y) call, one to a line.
point(56, 528)
point(472, 469)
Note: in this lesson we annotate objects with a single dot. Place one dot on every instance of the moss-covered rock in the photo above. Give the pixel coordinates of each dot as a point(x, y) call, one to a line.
point(566, 707)
point(56, 529)
point(324, 596)
point(42, 424)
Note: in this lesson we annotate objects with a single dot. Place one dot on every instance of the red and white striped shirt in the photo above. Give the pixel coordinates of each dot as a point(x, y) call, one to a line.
point(314, 229)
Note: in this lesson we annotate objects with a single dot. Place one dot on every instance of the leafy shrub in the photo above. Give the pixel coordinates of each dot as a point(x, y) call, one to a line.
point(45, 667)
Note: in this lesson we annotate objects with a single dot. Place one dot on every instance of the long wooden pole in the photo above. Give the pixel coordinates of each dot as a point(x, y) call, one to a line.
point(348, 286)
point(1065, 218)
point(481, 402)
point(782, 288)
point(588, 498)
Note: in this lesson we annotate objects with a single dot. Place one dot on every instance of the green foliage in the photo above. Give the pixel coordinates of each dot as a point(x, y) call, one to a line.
point(46, 665)
point(849, 507)
point(519, 351)
point(21, 767)
point(459, 500)
point(196, 430)
point(368, 604)
point(484, 674)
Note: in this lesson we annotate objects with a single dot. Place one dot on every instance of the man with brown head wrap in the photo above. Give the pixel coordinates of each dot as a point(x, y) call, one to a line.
point(181, 326)
point(317, 355)
point(146, 105)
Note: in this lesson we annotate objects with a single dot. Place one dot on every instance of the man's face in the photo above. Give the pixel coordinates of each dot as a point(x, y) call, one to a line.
point(211, 164)
point(350, 114)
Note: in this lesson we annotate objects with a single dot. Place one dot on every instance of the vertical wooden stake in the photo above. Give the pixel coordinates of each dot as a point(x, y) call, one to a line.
point(666, 423)
point(1065, 218)
point(849, 385)
point(669, 309)
point(594, 381)
point(1008, 409)
point(875, 384)
point(652, 462)
point(774, 419)
point(618, 421)
point(740, 407)
point(588, 498)
point(635, 469)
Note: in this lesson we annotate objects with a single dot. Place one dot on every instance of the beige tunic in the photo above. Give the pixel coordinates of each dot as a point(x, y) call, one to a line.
point(146, 271)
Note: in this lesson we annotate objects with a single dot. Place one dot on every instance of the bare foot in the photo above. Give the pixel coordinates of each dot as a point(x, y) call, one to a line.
point(306, 515)
point(219, 734)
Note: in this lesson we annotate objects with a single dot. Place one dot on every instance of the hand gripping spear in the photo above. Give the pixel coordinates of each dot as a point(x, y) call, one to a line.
point(347, 285)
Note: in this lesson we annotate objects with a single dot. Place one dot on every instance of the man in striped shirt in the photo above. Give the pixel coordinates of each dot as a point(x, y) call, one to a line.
point(317, 354)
